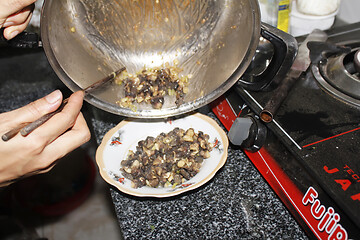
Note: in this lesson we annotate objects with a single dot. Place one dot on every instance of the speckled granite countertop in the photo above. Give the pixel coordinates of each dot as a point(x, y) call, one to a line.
point(236, 204)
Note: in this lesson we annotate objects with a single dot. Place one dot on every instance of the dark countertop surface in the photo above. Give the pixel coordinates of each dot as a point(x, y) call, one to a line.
point(236, 204)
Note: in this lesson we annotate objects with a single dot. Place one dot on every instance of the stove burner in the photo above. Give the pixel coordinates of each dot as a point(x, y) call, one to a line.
point(338, 74)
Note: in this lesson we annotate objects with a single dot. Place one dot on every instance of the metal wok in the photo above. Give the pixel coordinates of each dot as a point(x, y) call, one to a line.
point(214, 41)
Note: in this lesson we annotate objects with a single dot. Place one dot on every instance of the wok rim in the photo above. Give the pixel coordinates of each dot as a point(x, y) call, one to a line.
point(154, 113)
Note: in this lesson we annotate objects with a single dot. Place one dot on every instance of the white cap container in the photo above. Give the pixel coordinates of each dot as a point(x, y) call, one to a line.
point(302, 24)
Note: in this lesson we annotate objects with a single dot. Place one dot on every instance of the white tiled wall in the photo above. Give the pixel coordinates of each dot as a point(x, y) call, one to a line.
point(349, 11)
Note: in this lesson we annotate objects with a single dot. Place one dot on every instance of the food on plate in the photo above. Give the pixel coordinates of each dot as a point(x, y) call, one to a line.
point(168, 159)
point(151, 85)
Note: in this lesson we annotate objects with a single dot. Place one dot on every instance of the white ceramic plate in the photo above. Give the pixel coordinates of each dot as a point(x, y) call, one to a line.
point(126, 135)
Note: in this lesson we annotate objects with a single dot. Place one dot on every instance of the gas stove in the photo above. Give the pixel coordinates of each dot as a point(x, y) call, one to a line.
point(309, 153)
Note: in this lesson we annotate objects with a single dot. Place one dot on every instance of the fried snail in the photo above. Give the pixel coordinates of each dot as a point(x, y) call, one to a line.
point(168, 159)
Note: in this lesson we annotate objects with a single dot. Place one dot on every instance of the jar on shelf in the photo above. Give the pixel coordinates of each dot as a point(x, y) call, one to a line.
point(276, 13)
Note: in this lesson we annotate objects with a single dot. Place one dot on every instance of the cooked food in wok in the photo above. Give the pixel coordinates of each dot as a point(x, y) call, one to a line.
point(151, 85)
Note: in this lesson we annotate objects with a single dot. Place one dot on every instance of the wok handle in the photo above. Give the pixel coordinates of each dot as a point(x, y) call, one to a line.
point(22, 40)
point(285, 49)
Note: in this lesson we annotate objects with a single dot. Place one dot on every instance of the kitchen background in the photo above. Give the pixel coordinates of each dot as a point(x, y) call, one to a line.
point(95, 218)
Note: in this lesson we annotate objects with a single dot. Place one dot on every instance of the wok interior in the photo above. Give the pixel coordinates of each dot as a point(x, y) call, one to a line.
point(210, 40)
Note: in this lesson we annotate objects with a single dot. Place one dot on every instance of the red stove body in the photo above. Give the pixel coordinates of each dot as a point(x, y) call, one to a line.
point(311, 154)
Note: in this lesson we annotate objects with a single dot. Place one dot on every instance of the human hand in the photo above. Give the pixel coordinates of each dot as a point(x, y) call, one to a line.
point(37, 152)
point(15, 15)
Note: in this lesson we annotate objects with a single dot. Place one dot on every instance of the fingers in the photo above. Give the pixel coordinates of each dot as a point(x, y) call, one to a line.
point(18, 22)
point(69, 141)
point(61, 121)
point(62, 145)
point(38, 152)
point(15, 15)
point(44, 160)
point(65, 131)
point(10, 7)
point(19, 17)
point(34, 110)
point(61, 134)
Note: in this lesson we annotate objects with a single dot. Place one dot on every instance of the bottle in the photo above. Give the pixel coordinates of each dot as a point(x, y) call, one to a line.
point(278, 14)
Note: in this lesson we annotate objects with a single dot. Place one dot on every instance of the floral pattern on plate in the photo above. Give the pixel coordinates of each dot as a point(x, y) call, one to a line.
point(126, 135)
